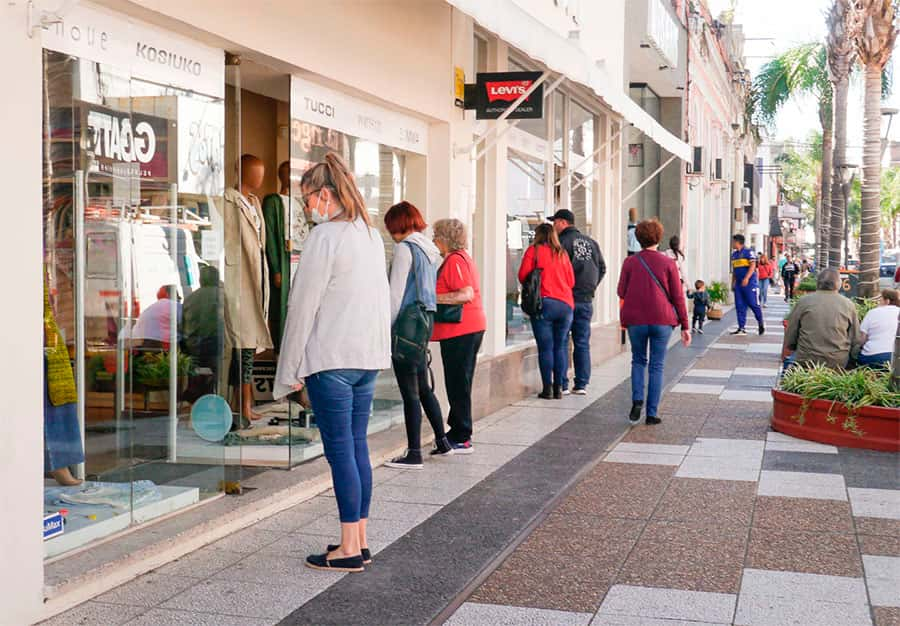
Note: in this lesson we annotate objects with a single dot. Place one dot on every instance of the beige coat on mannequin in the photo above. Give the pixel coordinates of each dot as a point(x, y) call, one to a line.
point(246, 273)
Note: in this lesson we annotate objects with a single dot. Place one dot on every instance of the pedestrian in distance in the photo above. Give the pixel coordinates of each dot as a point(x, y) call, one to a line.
point(459, 327)
point(653, 304)
point(337, 336)
point(551, 326)
point(674, 252)
point(589, 268)
point(413, 282)
point(745, 284)
point(633, 245)
point(789, 272)
point(701, 304)
point(766, 270)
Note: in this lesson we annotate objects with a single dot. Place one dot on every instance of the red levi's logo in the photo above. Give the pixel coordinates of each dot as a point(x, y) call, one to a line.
point(508, 90)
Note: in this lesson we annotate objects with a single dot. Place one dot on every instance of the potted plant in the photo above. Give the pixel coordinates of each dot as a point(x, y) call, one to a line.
point(805, 286)
point(855, 408)
point(151, 370)
point(718, 295)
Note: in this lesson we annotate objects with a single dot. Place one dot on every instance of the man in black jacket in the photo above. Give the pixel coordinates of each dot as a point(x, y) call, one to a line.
point(587, 261)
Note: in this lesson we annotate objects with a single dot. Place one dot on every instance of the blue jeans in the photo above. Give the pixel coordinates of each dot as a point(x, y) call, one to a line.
point(551, 331)
point(342, 402)
point(581, 341)
point(655, 336)
point(747, 297)
point(875, 361)
point(764, 290)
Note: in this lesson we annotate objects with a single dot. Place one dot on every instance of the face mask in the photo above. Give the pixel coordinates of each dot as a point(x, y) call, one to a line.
point(320, 218)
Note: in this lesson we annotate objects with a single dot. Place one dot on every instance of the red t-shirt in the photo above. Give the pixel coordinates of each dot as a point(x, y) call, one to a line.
point(644, 302)
point(557, 276)
point(459, 271)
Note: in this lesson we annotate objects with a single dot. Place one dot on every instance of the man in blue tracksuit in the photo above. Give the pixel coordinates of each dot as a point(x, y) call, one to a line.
point(745, 285)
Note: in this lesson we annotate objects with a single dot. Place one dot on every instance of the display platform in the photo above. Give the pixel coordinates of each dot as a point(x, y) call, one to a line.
point(88, 522)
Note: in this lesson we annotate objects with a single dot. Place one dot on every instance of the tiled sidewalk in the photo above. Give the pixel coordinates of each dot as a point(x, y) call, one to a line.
point(711, 518)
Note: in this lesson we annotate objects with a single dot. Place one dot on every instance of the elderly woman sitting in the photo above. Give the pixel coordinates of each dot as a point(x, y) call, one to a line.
point(823, 328)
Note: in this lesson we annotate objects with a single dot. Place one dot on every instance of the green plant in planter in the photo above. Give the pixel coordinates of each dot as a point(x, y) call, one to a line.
point(864, 305)
point(854, 388)
point(807, 284)
point(718, 292)
point(152, 368)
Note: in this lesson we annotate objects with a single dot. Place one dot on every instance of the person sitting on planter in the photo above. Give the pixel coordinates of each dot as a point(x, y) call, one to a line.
point(878, 330)
point(823, 327)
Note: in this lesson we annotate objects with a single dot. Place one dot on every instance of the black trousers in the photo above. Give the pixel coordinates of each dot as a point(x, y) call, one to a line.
point(789, 287)
point(699, 316)
point(459, 355)
point(415, 388)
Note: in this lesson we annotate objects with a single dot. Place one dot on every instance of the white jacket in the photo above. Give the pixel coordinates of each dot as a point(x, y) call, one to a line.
point(338, 313)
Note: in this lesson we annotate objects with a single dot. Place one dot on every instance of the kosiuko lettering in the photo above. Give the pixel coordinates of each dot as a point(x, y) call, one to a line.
point(153, 54)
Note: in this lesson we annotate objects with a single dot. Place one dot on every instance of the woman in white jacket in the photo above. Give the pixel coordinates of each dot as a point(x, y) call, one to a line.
point(336, 338)
point(413, 277)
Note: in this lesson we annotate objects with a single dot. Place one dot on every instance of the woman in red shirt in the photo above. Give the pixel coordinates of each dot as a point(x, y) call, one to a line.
point(457, 283)
point(653, 304)
point(766, 270)
point(551, 329)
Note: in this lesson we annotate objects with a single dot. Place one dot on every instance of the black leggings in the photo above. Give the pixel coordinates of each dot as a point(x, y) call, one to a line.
point(415, 388)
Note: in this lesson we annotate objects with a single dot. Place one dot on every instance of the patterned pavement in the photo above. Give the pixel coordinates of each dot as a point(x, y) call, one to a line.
point(564, 515)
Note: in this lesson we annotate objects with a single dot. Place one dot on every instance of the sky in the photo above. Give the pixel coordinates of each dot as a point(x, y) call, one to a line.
point(773, 26)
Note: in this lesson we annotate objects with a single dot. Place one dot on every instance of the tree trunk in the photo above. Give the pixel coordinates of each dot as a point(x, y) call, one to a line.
point(869, 250)
point(839, 109)
point(823, 214)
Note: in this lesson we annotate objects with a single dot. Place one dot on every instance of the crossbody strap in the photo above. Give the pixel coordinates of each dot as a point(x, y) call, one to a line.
point(415, 276)
point(640, 257)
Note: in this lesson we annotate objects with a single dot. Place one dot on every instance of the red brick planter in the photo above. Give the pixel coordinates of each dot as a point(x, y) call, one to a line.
point(880, 426)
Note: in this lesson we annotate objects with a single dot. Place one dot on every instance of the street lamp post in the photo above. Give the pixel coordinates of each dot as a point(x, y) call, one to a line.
point(848, 174)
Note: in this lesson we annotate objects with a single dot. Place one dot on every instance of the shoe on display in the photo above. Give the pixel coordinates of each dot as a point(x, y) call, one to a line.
point(410, 460)
point(579, 391)
point(442, 447)
point(465, 447)
point(635, 416)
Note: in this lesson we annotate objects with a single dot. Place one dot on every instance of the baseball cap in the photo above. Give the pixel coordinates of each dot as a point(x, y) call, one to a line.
point(563, 214)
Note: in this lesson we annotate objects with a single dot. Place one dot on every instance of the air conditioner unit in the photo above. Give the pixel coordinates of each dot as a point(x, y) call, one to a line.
point(696, 165)
point(745, 196)
point(717, 172)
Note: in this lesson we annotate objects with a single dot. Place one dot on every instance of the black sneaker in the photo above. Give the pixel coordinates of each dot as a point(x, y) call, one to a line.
point(412, 459)
point(635, 416)
point(442, 447)
point(740, 332)
point(762, 329)
point(652, 420)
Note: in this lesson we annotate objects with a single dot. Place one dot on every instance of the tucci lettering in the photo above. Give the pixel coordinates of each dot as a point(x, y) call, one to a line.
point(317, 106)
point(151, 54)
point(508, 90)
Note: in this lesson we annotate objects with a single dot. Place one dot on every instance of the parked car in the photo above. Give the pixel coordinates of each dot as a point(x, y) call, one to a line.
point(888, 267)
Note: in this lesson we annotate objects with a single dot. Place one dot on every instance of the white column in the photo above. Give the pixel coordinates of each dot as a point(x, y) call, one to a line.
point(21, 371)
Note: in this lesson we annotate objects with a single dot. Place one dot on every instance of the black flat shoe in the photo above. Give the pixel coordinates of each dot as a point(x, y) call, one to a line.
point(347, 564)
point(366, 554)
point(635, 415)
point(652, 420)
point(546, 393)
point(557, 392)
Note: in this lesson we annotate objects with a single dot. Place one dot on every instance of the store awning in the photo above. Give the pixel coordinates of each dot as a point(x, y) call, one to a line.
point(517, 27)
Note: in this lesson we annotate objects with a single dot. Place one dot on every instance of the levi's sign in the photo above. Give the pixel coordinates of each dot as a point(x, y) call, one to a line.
point(496, 91)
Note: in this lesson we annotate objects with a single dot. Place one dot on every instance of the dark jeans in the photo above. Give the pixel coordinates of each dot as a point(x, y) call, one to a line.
point(875, 361)
point(788, 287)
point(459, 355)
point(699, 316)
point(656, 338)
point(415, 388)
point(581, 342)
point(342, 402)
point(551, 331)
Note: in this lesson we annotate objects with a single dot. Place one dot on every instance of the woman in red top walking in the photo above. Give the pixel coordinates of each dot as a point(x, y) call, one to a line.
point(551, 329)
point(650, 287)
point(457, 283)
point(766, 270)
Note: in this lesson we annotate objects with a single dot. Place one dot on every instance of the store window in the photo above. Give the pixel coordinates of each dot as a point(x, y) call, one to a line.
point(582, 163)
point(133, 175)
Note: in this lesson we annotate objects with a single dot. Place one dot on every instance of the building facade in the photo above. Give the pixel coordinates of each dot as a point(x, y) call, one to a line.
point(131, 120)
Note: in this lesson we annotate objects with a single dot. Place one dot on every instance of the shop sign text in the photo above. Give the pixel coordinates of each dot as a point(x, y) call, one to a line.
point(496, 91)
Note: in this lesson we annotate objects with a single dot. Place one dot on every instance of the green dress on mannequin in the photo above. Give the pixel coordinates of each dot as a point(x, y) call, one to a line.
point(278, 253)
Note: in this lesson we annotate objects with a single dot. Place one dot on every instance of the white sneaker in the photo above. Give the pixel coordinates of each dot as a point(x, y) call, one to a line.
point(579, 391)
point(566, 392)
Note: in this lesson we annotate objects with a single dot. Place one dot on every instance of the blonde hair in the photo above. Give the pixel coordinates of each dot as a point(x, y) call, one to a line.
point(452, 232)
point(334, 174)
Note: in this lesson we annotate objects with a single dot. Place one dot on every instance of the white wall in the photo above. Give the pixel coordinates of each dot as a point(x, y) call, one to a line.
point(21, 370)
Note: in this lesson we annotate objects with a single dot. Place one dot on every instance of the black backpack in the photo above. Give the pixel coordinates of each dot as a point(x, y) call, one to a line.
point(530, 299)
point(413, 326)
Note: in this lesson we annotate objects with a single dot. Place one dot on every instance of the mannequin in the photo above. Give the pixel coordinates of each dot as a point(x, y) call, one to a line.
point(278, 251)
point(246, 278)
point(62, 434)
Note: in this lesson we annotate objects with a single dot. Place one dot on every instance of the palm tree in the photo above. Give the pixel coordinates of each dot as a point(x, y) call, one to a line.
point(870, 25)
point(801, 71)
point(840, 61)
